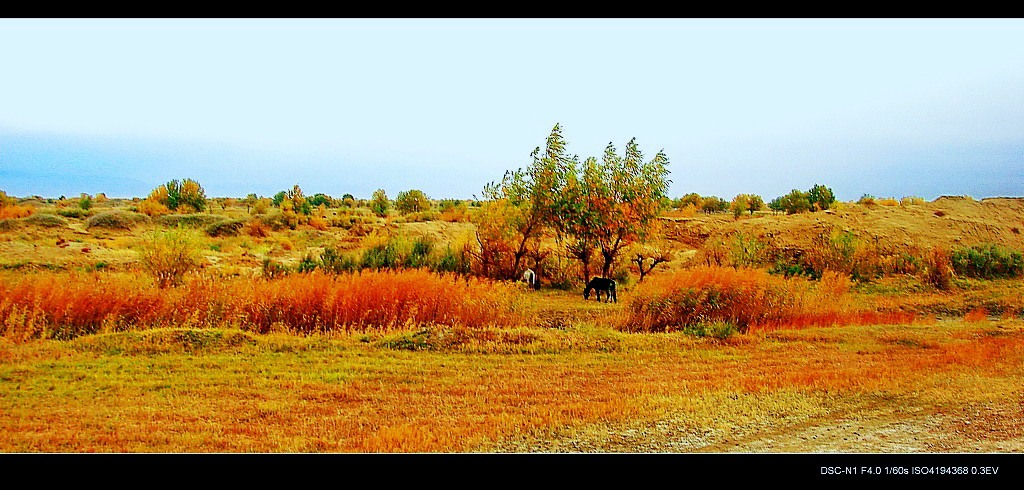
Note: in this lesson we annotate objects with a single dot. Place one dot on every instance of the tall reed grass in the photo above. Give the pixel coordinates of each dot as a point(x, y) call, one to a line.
point(66, 305)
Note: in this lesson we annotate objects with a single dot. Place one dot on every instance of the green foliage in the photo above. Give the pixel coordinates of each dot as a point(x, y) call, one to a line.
point(820, 197)
point(320, 199)
point(193, 220)
point(332, 260)
point(186, 194)
point(987, 261)
point(170, 254)
point(748, 251)
point(600, 205)
point(796, 201)
point(85, 202)
point(273, 269)
point(412, 201)
point(384, 256)
point(74, 213)
point(450, 260)
point(713, 204)
point(743, 203)
point(843, 252)
point(120, 220)
point(379, 203)
point(279, 198)
point(716, 329)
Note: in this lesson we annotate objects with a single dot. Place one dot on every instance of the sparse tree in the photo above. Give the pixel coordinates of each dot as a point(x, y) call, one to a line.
point(379, 203)
point(250, 201)
point(647, 256)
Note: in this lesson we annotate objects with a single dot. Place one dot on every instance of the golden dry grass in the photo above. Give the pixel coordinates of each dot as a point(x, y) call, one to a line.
point(182, 390)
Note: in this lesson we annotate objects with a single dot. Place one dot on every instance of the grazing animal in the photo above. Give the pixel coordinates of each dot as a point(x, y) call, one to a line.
point(530, 278)
point(601, 285)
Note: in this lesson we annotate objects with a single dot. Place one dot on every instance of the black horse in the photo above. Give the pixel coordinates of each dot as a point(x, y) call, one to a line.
point(601, 285)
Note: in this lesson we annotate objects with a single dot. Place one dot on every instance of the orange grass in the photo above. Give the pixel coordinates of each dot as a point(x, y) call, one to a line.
point(750, 299)
point(64, 306)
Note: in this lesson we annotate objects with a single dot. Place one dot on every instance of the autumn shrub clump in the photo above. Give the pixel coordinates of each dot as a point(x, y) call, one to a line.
point(169, 255)
point(10, 209)
point(746, 298)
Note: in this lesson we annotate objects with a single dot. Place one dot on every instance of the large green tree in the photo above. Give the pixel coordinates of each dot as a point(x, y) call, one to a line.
point(412, 201)
point(595, 209)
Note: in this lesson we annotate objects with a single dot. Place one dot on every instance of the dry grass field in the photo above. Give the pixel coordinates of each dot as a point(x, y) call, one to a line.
point(94, 357)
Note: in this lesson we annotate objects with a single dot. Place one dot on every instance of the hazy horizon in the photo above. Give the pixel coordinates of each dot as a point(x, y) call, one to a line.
point(887, 107)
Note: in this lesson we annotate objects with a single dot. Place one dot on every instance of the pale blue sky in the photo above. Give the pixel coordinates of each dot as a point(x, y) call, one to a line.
point(889, 107)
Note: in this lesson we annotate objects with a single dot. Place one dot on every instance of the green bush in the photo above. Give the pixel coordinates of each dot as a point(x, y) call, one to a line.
point(987, 261)
point(453, 261)
point(720, 330)
point(273, 269)
point(118, 220)
point(74, 213)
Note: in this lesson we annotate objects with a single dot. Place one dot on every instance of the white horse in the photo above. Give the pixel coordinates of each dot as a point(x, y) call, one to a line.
point(530, 278)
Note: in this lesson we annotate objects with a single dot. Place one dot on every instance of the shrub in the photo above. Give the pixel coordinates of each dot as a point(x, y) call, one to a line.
point(746, 299)
point(273, 269)
point(16, 211)
point(451, 260)
point(46, 220)
point(748, 251)
point(717, 329)
point(9, 224)
point(866, 199)
point(938, 269)
point(842, 251)
point(911, 201)
point(454, 211)
point(228, 227)
point(169, 255)
point(332, 260)
point(151, 207)
point(319, 223)
point(256, 228)
point(194, 220)
point(118, 220)
point(987, 261)
point(74, 213)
